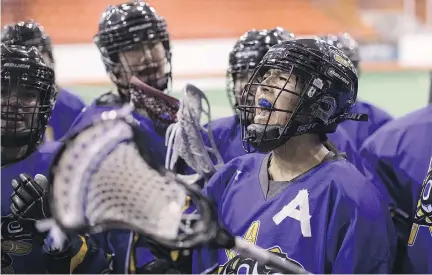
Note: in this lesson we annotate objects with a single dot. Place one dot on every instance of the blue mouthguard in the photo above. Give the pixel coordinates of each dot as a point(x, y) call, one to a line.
point(264, 103)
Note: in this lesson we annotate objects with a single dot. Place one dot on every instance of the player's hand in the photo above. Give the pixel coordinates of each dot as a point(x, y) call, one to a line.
point(29, 198)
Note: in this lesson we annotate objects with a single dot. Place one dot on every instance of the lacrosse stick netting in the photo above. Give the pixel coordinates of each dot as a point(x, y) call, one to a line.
point(103, 180)
point(185, 138)
point(159, 107)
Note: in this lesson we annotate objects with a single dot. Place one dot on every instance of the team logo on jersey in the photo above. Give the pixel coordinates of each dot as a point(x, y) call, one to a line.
point(15, 241)
point(423, 213)
point(237, 264)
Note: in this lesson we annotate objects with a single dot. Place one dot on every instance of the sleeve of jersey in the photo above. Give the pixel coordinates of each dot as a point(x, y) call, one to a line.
point(378, 164)
point(361, 237)
point(81, 256)
point(377, 118)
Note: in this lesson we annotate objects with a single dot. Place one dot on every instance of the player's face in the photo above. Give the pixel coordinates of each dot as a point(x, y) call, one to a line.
point(19, 110)
point(146, 61)
point(271, 93)
point(241, 80)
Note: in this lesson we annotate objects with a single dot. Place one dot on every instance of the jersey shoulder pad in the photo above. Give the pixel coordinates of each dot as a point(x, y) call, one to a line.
point(108, 99)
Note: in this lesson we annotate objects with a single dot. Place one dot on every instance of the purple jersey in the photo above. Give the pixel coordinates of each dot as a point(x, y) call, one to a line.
point(419, 256)
point(227, 134)
point(21, 253)
point(328, 220)
point(67, 107)
point(395, 157)
point(358, 132)
point(155, 142)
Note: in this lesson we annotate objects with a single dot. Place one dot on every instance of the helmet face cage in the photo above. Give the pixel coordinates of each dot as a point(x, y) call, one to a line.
point(28, 96)
point(141, 48)
point(239, 72)
point(246, 55)
point(296, 92)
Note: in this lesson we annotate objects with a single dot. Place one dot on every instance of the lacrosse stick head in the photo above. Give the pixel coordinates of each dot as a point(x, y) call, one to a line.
point(187, 138)
point(104, 178)
point(160, 107)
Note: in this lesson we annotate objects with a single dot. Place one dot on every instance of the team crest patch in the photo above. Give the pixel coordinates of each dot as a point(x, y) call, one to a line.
point(15, 241)
point(423, 213)
point(237, 264)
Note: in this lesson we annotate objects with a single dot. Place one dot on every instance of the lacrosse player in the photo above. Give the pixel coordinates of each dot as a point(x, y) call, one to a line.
point(245, 56)
point(68, 105)
point(377, 117)
point(28, 95)
point(133, 41)
point(419, 258)
point(301, 200)
point(394, 158)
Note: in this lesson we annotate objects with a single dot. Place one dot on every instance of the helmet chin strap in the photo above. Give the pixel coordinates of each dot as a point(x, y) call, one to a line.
point(264, 137)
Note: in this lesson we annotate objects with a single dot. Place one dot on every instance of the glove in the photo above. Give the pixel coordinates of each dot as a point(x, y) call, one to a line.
point(29, 198)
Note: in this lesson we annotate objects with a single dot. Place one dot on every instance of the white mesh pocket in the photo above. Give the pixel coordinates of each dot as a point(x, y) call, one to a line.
point(185, 139)
point(101, 177)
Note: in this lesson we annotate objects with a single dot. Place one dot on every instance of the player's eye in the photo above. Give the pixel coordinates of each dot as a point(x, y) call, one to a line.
point(30, 94)
point(283, 78)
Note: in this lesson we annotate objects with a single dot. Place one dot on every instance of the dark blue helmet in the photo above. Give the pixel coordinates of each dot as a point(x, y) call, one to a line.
point(133, 40)
point(28, 96)
point(302, 86)
point(29, 34)
point(248, 51)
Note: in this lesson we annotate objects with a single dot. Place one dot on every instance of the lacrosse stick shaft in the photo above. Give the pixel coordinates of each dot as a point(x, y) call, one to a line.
point(265, 257)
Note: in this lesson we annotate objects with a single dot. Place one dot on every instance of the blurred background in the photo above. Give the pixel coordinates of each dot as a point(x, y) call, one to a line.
point(395, 37)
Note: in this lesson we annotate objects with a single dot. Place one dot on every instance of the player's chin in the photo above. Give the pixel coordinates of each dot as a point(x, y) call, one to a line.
point(263, 119)
point(12, 126)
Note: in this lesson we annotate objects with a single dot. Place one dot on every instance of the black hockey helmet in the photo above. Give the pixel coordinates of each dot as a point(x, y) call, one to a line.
point(346, 43)
point(247, 52)
point(28, 96)
point(133, 40)
point(28, 33)
point(312, 84)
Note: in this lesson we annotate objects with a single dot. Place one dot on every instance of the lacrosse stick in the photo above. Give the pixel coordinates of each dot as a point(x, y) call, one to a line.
point(104, 178)
point(185, 138)
point(159, 107)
